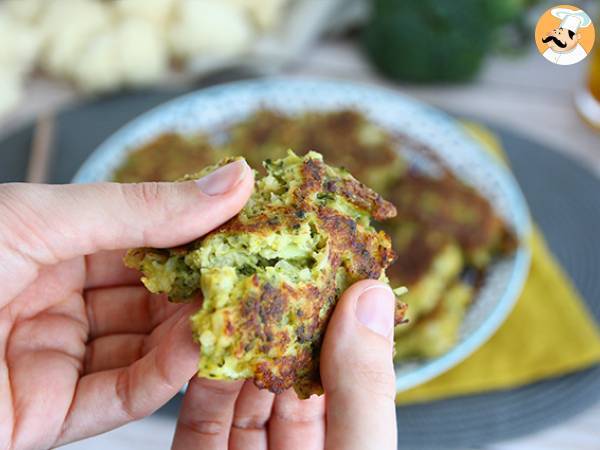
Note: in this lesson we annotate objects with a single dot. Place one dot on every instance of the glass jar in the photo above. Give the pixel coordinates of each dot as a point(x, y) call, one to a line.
point(587, 100)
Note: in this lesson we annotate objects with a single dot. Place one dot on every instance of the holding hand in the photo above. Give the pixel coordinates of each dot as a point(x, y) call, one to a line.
point(84, 348)
point(356, 413)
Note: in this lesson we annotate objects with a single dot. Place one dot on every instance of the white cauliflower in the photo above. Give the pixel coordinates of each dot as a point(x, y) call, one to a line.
point(266, 13)
point(25, 10)
point(159, 12)
point(10, 90)
point(19, 45)
point(143, 56)
point(131, 53)
point(102, 45)
point(97, 67)
point(213, 28)
point(67, 26)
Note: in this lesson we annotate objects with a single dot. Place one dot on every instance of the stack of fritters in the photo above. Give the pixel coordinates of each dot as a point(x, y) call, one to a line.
point(271, 276)
point(445, 233)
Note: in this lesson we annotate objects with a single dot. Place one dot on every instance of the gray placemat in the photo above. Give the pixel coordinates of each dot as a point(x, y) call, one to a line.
point(564, 199)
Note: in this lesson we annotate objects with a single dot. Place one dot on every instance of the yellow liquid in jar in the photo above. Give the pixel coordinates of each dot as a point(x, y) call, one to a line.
point(594, 75)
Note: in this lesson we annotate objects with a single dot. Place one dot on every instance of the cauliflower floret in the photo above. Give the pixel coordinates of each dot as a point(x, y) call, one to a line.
point(131, 53)
point(97, 67)
point(26, 10)
point(210, 27)
point(159, 12)
point(10, 90)
point(66, 27)
point(20, 45)
point(266, 13)
point(142, 52)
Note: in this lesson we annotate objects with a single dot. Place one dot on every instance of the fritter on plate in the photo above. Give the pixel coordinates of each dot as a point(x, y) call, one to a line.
point(456, 210)
point(271, 276)
point(266, 134)
point(443, 230)
point(345, 138)
point(437, 332)
point(427, 262)
point(166, 158)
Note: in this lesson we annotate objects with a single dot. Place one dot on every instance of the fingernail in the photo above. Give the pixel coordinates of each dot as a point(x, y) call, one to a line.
point(224, 178)
point(375, 309)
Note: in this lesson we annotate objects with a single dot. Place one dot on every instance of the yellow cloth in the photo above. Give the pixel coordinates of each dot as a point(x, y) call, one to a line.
point(548, 334)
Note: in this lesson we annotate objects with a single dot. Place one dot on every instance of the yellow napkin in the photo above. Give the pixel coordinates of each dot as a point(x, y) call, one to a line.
point(548, 334)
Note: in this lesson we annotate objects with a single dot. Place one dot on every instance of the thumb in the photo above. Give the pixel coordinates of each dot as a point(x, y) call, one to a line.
point(45, 224)
point(357, 370)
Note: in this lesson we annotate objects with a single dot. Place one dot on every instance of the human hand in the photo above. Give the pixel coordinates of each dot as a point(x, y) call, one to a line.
point(357, 411)
point(83, 347)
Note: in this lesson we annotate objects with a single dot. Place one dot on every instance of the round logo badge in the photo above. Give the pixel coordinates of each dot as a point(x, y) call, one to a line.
point(564, 35)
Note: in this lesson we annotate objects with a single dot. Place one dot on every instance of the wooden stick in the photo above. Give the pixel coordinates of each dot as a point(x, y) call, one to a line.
point(41, 149)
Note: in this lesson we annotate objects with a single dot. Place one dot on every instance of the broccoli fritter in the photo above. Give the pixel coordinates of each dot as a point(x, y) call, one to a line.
point(444, 230)
point(345, 138)
point(456, 210)
point(438, 331)
point(271, 276)
point(427, 261)
point(166, 158)
point(266, 134)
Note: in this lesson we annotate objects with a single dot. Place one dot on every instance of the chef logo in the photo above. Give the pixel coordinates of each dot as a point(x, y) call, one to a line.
point(564, 35)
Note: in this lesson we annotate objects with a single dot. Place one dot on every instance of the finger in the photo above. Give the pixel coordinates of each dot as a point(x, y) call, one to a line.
point(205, 416)
point(46, 223)
point(297, 424)
point(252, 412)
point(126, 309)
point(357, 370)
point(52, 286)
point(136, 391)
point(43, 363)
point(121, 350)
point(106, 269)
point(113, 352)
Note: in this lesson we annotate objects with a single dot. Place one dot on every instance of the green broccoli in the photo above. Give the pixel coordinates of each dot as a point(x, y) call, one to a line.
point(436, 40)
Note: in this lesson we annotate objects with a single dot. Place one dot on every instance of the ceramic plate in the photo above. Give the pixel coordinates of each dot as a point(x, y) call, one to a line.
point(211, 110)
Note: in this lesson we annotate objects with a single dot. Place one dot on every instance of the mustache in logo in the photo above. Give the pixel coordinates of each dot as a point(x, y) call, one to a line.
point(556, 41)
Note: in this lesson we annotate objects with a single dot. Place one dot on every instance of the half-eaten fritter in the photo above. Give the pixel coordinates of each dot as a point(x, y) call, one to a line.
point(271, 276)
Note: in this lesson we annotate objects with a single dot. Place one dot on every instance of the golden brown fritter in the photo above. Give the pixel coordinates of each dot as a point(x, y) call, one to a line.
point(436, 332)
point(266, 134)
point(427, 262)
point(271, 276)
point(166, 158)
point(345, 139)
point(443, 228)
point(456, 210)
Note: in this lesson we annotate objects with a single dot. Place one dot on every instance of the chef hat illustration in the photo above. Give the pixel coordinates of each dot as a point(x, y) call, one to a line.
point(572, 20)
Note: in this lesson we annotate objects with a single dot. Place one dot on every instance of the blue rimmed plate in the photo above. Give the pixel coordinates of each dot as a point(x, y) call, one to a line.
point(212, 109)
